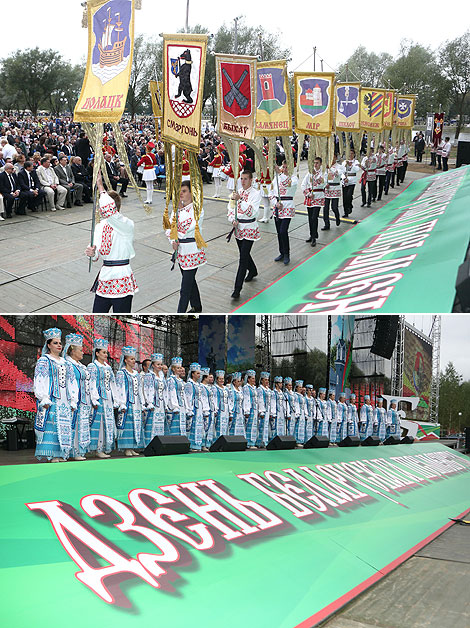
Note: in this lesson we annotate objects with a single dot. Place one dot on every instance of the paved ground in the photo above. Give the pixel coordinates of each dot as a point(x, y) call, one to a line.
point(430, 590)
point(43, 268)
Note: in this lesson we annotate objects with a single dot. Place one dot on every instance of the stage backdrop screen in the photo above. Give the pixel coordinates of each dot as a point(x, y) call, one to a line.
point(212, 342)
point(342, 333)
point(417, 372)
point(240, 343)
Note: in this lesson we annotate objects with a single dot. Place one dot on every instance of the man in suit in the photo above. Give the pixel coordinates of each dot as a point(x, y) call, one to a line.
point(10, 190)
point(114, 176)
point(82, 148)
point(31, 190)
point(66, 179)
point(80, 176)
point(50, 182)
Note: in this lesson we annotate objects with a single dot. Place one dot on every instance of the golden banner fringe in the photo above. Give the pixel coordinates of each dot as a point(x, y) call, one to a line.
point(198, 196)
point(288, 153)
point(168, 184)
point(271, 154)
point(175, 190)
point(122, 152)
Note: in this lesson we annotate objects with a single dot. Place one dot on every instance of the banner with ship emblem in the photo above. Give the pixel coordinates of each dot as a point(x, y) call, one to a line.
point(184, 63)
point(274, 113)
point(347, 106)
point(371, 109)
point(236, 95)
point(110, 46)
point(313, 93)
point(389, 102)
point(405, 111)
point(156, 90)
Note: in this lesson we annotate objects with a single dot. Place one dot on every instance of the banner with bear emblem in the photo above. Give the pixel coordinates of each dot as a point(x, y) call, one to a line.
point(184, 63)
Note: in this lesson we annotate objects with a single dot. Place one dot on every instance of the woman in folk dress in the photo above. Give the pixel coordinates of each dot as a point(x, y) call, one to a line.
point(196, 410)
point(56, 393)
point(221, 403)
point(103, 399)
point(265, 403)
point(176, 399)
point(73, 354)
point(149, 161)
point(131, 403)
point(237, 425)
point(154, 398)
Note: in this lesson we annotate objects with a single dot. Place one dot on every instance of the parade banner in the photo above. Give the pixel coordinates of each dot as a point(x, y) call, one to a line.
point(110, 47)
point(347, 107)
point(184, 64)
point(371, 109)
point(389, 102)
point(273, 113)
point(313, 95)
point(438, 127)
point(212, 342)
point(342, 337)
point(418, 239)
point(417, 371)
point(156, 91)
point(236, 95)
point(405, 111)
point(121, 542)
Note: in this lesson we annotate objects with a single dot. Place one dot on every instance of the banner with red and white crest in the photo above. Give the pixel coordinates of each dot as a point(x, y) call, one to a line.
point(236, 95)
point(184, 62)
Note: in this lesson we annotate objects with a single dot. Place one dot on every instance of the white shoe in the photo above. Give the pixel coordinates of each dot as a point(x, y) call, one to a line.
point(135, 453)
point(62, 459)
point(101, 454)
point(55, 460)
point(54, 209)
point(128, 453)
point(2, 218)
point(79, 458)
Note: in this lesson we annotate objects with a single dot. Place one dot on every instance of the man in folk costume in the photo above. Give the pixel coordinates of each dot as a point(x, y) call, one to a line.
point(323, 419)
point(188, 255)
point(400, 155)
point(313, 187)
point(115, 284)
point(445, 154)
point(216, 164)
point(439, 149)
point(197, 412)
point(243, 217)
point(389, 169)
point(393, 421)
point(380, 427)
point(350, 178)
point(149, 161)
point(250, 408)
point(265, 409)
point(381, 170)
point(282, 202)
point(278, 419)
point(369, 166)
point(176, 399)
point(154, 396)
point(395, 169)
point(405, 150)
point(332, 193)
point(208, 405)
point(265, 187)
point(366, 419)
point(353, 418)
point(311, 412)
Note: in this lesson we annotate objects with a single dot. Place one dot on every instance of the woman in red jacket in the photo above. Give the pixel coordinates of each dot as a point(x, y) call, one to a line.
point(149, 161)
point(216, 164)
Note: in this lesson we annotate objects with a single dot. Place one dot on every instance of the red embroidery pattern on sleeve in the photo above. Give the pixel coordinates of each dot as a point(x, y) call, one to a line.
point(106, 240)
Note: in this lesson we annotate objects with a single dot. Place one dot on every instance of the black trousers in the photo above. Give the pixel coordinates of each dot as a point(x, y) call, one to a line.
point(388, 179)
point(245, 263)
point(103, 305)
point(381, 178)
point(433, 159)
point(445, 166)
point(189, 291)
point(348, 193)
point(371, 191)
point(29, 199)
point(313, 213)
point(326, 211)
point(124, 183)
point(282, 228)
point(439, 162)
point(403, 172)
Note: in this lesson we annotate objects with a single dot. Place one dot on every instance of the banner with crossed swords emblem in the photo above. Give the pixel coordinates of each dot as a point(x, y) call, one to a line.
point(236, 95)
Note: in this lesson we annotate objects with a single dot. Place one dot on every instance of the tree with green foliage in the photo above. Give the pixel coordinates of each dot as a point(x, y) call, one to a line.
point(364, 66)
point(143, 70)
point(450, 402)
point(454, 57)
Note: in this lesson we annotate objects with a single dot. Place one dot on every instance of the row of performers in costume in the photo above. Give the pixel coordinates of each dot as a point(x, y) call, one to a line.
point(89, 409)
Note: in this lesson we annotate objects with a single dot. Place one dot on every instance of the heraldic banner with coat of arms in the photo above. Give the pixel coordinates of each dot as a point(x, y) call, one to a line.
point(371, 109)
point(389, 103)
point(110, 46)
point(405, 111)
point(236, 95)
point(273, 110)
point(184, 62)
point(347, 106)
point(313, 93)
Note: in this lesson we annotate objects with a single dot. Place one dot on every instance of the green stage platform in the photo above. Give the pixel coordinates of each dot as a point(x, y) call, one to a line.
point(258, 539)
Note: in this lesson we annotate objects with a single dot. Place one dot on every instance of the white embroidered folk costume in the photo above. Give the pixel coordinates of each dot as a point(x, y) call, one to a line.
point(104, 400)
point(130, 405)
point(82, 415)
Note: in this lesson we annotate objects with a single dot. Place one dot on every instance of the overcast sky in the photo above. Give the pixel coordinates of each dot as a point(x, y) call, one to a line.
point(343, 26)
